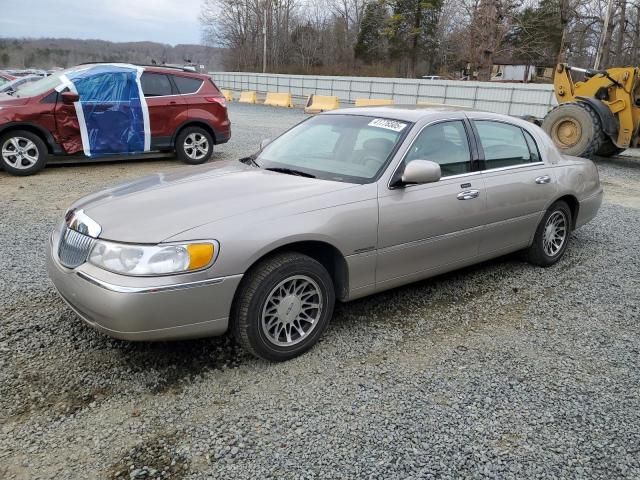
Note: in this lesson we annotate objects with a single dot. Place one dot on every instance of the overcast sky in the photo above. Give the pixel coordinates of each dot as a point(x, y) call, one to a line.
point(165, 21)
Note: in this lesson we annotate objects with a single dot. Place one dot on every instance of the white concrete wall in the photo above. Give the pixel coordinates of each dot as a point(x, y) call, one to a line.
point(508, 98)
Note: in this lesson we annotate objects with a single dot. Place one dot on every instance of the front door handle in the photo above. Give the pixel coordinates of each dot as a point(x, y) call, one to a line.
point(543, 179)
point(468, 195)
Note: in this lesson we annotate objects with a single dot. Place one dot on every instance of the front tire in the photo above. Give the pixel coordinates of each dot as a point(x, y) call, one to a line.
point(575, 128)
point(194, 145)
point(283, 306)
point(22, 153)
point(552, 236)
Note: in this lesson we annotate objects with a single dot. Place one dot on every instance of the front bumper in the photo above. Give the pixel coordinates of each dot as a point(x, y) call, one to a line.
point(158, 308)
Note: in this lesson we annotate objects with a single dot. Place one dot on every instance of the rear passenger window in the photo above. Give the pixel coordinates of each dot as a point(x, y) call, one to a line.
point(504, 145)
point(155, 84)
point(187, 85)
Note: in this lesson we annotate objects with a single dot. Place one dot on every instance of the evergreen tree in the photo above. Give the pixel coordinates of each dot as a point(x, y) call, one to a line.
point(412, 31)
point(371, 44)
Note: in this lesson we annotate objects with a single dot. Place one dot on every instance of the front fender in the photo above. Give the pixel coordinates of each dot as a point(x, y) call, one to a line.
point(607, 118)
point(34, 127)
point(350, 227)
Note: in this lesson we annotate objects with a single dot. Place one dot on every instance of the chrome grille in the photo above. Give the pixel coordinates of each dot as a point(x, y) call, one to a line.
point(74, 248)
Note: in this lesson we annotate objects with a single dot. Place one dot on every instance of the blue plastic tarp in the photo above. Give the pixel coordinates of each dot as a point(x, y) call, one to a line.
point(112, 113)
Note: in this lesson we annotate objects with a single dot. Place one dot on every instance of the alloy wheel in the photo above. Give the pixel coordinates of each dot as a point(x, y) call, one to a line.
point(555, 233)
point(292, 311)
point(196, 146)
point(20, 153)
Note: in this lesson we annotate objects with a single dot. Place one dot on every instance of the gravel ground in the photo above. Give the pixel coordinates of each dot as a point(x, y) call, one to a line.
point(502, 370)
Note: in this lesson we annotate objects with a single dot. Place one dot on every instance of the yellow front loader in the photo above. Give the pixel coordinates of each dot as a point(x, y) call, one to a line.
point(597, 116)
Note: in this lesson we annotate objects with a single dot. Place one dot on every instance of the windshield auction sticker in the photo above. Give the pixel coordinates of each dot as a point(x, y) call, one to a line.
point(388, 124)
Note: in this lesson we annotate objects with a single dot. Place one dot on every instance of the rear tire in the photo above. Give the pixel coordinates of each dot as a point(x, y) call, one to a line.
point(552, 236)
point(283, 306)
point(609, 149)
point(22, 153)
point(194, 145)
point(575, 128)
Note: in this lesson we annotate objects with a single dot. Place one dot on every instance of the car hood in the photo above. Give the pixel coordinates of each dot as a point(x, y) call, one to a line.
point(11, 101)
point(163, 205)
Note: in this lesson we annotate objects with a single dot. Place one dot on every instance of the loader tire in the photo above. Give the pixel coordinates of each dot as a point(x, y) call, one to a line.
point(609, 149)
point(575, 128)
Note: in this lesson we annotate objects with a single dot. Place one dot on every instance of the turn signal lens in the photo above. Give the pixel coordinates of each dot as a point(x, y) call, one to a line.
point(200, 255)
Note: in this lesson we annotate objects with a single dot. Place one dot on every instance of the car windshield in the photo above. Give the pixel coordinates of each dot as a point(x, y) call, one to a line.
point(344, 148)
point(33, 89)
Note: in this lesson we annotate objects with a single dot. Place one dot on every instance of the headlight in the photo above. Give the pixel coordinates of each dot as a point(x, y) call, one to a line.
point(152, 259)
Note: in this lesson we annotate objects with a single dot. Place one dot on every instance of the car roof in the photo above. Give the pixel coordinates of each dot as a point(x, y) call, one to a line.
point(407, 113)
point(157, 69)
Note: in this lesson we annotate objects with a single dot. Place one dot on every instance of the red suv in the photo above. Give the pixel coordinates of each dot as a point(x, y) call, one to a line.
point(112, 111)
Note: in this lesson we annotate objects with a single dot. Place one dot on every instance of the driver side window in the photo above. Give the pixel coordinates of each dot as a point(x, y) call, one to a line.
point(446, 144)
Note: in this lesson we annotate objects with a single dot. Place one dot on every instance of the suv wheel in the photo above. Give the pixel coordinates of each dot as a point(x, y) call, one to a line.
point(23, 153)
point(194, 145)
point(283, 306)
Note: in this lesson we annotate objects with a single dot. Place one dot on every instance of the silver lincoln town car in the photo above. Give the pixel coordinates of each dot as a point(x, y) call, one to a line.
point(345, 204)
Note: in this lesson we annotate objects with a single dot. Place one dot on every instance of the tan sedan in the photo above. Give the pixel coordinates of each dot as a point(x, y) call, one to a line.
point(346, 204)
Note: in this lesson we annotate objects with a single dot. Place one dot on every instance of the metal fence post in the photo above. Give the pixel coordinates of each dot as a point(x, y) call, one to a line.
point(510, 101)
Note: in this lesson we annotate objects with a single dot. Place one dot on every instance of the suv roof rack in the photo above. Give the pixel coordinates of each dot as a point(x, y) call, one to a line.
point(174, 67)
point(189, 69)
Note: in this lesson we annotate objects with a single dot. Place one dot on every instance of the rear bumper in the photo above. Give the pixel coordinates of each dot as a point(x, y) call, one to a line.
point(588, 208)
point(223, 136)
point(152, 312)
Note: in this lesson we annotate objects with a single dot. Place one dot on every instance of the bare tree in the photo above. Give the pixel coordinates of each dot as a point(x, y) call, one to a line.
point(321, 35)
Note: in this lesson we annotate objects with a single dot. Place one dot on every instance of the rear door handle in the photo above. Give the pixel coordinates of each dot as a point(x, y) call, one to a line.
point(468, 195)
point(543, 179)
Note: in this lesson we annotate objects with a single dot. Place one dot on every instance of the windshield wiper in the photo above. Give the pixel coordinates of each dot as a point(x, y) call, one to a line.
point(10, 92)
point(250, 160)
point(291, 171)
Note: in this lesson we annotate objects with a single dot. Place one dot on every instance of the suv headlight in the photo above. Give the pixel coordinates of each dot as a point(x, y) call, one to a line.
point(140, 260)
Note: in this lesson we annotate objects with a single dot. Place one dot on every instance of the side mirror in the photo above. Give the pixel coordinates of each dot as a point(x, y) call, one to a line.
point(69, 98)
point(264, 143)
point(421, 171)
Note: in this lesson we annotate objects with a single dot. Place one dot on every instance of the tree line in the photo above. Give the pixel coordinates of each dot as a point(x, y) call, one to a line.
point(410, 38)
point(64, 52)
